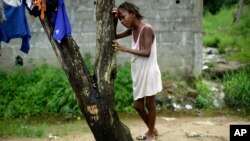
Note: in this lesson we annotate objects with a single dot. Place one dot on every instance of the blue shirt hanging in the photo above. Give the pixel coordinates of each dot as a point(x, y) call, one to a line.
point(62, 25)
point(16, 26)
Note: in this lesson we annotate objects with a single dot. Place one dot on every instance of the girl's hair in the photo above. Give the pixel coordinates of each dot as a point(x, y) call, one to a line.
point(132, 8)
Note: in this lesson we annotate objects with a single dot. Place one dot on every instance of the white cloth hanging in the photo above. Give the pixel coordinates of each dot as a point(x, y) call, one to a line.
point(14, 3)
point(29, 3)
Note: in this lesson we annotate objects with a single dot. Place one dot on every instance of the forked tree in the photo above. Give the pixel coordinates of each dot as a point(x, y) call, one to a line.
point(94, 92)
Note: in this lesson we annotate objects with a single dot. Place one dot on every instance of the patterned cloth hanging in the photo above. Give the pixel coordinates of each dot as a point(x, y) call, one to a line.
point(41, 4)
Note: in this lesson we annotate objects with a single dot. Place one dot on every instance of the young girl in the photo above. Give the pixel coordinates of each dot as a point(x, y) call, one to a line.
point(145, 71)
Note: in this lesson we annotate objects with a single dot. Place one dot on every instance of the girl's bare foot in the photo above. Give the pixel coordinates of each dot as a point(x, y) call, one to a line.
point(150, 137)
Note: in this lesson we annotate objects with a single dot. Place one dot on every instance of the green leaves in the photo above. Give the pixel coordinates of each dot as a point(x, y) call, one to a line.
point(237, 89)
point(35, 92)
point(123, 89)
point(204, 99)
point(46, 90)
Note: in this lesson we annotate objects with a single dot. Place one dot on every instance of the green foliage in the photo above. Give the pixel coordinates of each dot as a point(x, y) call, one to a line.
point(41, 127)
point(46, 90)
point(64, 102)
point(211, 41)
point(241, 33)
point(32, 93)
point(229, 3)
point(217, 28)
point(211, 64)
point(123, 89)
point(87, 58)
point(219, 23)
point(20, 128)
point(230, 38)
point(203, 99)
point(237, 89)
point(213, 6)
point(43, 90)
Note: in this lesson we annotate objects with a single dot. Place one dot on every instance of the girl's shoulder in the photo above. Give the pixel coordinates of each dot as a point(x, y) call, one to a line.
point(148, 25)
point(148, 28)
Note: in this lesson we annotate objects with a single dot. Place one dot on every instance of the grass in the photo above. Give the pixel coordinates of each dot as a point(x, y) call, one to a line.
point(216, 27)
point(41, 127)
point(237, 89)
point(204, 99)
point(20, 128)
point(231, 39)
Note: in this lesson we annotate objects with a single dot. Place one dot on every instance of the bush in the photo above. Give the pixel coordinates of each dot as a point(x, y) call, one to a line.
point(237, 89)
point(211, 41)
point(28, 93)
point(46, 90)
point(231, 39)
point(241, 32)
point(203, 99)
point(123, 89)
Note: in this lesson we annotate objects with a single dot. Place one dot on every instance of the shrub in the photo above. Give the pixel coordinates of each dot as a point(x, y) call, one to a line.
point(203, 99)
point(29, 93)
point(211, 41)
point(237, 89)
point(46, 90)
point(123, 89)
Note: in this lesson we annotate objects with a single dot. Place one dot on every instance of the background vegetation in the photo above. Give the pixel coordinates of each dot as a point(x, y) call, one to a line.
point(45, 91)
point(231, 38)
point(237, 89)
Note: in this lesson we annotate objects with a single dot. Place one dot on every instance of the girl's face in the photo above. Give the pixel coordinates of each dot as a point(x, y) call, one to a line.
point(126, 18)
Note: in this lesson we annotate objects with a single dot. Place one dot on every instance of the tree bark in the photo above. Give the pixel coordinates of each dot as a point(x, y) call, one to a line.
point(239, 11)
point(95, 93)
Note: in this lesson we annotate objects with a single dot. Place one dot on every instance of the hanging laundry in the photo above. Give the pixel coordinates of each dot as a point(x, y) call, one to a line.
point(2, 16)
point(16, 26)
point(41, 5)
point(37, 7)
point(51, 5)
point(14, 3)
point(62, 25)
point(33, 10)
point(29, 4)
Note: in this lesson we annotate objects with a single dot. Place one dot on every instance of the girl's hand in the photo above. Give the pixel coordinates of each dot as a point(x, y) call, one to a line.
point(118, 47)
point(115, 12)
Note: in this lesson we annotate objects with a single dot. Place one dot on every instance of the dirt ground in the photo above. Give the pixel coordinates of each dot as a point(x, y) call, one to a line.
point(183, 128)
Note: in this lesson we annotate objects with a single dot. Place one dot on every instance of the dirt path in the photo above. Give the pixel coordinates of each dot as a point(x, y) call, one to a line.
point(170, 129)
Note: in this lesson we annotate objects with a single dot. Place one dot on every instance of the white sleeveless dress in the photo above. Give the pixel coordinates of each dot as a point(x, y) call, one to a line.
point(146, 75)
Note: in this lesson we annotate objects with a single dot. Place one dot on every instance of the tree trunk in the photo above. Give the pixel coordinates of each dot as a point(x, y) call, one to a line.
point(95, 93)
point(239, 11)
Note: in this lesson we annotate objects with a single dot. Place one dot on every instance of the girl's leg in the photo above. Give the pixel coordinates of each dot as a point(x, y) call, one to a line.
point(147, 117)
point(139, 107)
point(151, 107)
